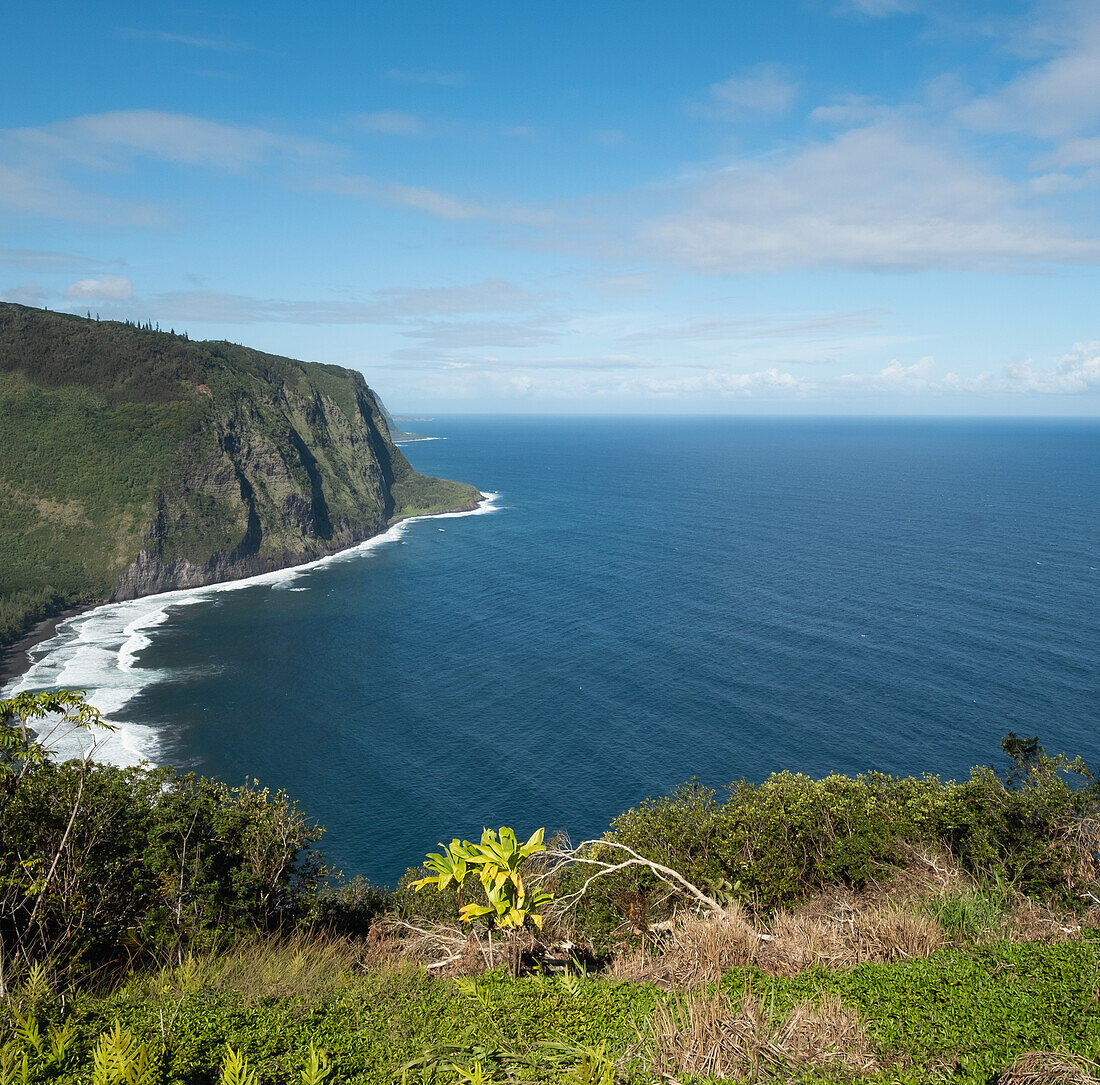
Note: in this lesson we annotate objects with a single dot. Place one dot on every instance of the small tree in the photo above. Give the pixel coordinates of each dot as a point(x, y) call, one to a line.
point(498, 862)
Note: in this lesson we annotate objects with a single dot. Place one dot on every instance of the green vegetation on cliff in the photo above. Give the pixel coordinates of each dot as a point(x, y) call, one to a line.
point(136, 461)
point(878, 930)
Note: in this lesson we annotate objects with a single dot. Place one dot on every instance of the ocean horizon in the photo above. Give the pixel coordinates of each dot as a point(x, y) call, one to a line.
point(643, 600)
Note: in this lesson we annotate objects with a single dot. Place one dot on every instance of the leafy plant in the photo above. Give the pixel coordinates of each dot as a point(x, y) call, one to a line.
point(235, 1069)
point(120, 1059)
point(498, 861)
point(317, 1068)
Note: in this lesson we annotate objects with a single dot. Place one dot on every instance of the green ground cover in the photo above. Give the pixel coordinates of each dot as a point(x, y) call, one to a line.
point(959, 1015)
point(183, 920)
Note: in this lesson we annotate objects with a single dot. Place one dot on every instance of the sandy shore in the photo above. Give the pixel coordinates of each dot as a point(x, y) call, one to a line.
point(14, 660)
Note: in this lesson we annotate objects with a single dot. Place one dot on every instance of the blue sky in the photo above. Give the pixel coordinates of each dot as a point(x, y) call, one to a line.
point(802, 206)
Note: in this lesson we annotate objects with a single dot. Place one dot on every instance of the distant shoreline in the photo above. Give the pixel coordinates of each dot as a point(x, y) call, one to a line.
point(15, 660)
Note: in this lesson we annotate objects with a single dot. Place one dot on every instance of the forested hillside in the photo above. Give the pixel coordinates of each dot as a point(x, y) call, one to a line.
point(137, 461)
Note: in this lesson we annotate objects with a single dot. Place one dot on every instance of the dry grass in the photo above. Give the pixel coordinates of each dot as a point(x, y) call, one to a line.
point(841, 929)
point(838, 930)
point(707, 1035)
point(895, 920)
point(310, 967)
point(447, 951)
point(1050, 1068)
point(697, 951)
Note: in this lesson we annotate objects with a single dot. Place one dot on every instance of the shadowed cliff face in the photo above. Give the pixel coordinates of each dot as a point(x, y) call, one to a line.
point(283, 476)
point(140, 462)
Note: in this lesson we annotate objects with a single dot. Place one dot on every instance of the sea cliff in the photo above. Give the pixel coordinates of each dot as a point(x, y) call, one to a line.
point(136, 461)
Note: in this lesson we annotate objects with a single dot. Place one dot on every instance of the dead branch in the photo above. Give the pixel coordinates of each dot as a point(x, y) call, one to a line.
point(560, 858)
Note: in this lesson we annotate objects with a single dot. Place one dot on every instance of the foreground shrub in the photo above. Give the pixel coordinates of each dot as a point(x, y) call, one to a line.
point(100, 864)
point(770, 845)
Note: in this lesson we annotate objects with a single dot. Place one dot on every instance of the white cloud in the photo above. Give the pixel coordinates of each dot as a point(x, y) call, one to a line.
point(425, 78)
point(25, 294)
point(217, 45)
point(1057, 98)
point(764, 90)
point(44, 260)
point(883, 197)
point(104, 140)
point(28, 191)
point(878, 9)
point(437, 204)
point(895, 377)
point(104, 288)
point(725, 384)
point(398, 305)
point(391, 122)
point(1076, 372)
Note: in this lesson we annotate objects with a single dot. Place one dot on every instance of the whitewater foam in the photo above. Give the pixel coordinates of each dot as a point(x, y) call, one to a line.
point(99, 652)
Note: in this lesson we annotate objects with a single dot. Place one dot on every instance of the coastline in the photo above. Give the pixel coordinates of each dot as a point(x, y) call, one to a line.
point(15, 660)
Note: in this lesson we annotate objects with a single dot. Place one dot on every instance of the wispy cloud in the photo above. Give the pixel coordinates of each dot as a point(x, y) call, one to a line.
point(443, 205)
point(44, 260)
point(1057, 98)
point(1077, 373)
point(719, 329)
point(401, 306)
point(216, 45)
point(38, 164)
point(31, 191)
point(886, 196)
point(26, 294)
point(423, 77)
point(716, 382)
point(437, 204)
point(610, 137)
point(765, 90)
point(449, 334)
point(101, 140)
point(437, 359)
point(103, 288)
point(390, 122)
point(878, 9)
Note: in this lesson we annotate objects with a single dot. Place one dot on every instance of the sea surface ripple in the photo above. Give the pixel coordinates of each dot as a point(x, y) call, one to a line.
point(649, 600)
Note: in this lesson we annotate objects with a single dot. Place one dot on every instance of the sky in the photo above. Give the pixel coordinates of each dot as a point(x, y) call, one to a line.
point(692, 206)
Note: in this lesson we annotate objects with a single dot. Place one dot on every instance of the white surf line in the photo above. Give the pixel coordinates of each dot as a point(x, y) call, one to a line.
point(98, 650)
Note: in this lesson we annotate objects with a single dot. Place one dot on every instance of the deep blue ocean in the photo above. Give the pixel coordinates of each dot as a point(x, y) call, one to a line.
point(650, 600)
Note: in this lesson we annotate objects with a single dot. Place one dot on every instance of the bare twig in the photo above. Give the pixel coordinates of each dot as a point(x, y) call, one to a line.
point(443, 963)
point(671, 877)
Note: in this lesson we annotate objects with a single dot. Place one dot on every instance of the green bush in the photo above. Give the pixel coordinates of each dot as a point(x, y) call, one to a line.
point(771, 844)
point(100, 864)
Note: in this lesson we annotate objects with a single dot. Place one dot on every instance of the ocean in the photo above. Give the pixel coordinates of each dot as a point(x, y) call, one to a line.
point(641, 602)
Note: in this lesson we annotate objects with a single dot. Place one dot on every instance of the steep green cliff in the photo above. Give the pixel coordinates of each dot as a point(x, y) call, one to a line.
point(134, 461)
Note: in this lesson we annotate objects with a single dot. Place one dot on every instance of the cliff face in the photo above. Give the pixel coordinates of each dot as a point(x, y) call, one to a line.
point(139, 462)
